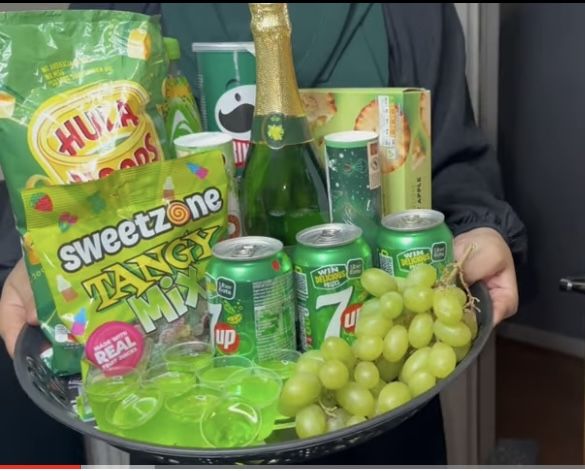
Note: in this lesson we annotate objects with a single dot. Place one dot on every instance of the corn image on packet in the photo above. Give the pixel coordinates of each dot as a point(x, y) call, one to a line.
point(78, 100)
point(125, 256)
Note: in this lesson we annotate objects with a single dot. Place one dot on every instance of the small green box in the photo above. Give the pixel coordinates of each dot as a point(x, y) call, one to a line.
point(402, 119)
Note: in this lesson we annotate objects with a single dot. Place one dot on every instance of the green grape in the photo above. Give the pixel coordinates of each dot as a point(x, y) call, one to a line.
point(372, 325)
point(366, 374)
point(388, 370)
point(395, 343)
point(377, 282)
point(446, 307)
point(391, 305)
point(311, 421)
point(370, 308)
point(459, 293)
point(461, 352)
point(334, 374)
point(420, 382)
point(299, 391)
point(368, 347)
point(376, 389)
point(423, 275)
point(470, 320)
point(418, 299)
point(442, 360)
point(455, 335)
point(420, 331)
point(337, 419)
point(335, 348)
point(309, 362)
point(400, 284)
point(356, 399)
point(415, 362)
point(354, 420)
point(392, 396)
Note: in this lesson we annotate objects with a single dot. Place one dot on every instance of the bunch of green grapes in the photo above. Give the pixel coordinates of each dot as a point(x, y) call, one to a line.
point(410, 334)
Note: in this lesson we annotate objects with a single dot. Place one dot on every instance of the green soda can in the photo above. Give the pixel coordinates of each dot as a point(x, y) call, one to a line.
point(412, 237)
point(180, 113)
point(353, 180)
point(251, 298)
point(204, 141)
point(328, 263)
point(226, 87)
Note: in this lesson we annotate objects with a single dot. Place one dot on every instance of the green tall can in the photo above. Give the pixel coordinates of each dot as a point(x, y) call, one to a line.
point(412, 237)
point(226, 88)
point(328, 263)
point(353, 180)
point(251, 298)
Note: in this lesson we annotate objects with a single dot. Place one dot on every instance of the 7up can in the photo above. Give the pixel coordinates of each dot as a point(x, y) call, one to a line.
point(328, 263)
point(251, 298)
point(412, 237)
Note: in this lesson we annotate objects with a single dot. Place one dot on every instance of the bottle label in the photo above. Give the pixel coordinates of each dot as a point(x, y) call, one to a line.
point(277, 130)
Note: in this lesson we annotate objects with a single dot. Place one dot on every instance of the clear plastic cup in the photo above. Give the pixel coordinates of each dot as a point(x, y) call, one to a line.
point(137, 416)
point(221, 368)
point(231, 423)
point(189, 356)
point(261, 388)
point(186, 413)
point(168, 381)
point(106, 388)
point(283, 363)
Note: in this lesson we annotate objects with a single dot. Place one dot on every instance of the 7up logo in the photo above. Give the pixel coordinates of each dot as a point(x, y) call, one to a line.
point(344, 318)
point(226, 338)
point(349, 318)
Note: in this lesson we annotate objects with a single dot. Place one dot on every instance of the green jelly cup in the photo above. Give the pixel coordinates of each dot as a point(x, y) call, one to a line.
point(189, 356)
point(221, 368)
point(168, 381)
point(103, 389)
point(231, 423)
point(137, 416)
point(261, 388)
point(283, 363)
point(186, 413)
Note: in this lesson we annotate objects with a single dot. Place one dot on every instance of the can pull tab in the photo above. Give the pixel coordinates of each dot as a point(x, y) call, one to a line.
point(328, 234)
point(247, 250)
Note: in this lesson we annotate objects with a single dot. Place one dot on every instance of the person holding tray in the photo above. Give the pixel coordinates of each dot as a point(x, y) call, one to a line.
point(363, 45)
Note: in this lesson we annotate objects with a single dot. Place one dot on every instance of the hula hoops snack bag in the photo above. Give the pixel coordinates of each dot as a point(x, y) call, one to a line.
point(78, 100)
point(125, 256)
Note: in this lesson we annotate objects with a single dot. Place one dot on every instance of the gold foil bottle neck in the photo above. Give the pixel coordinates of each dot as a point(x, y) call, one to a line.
point(276, 83)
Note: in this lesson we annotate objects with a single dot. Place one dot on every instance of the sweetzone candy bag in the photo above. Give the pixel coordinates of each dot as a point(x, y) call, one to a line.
point(125, 256)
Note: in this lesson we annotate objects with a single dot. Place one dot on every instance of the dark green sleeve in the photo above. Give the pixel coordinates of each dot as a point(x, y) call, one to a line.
point(427, 49)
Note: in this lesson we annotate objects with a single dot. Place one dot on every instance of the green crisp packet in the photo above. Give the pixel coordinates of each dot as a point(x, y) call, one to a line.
point(125, 256)
point(78, 100)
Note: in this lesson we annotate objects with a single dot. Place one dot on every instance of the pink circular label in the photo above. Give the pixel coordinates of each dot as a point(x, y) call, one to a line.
point(115, 345)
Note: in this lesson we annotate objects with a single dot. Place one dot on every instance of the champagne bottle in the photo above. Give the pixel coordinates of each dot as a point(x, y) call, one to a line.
point(283, 188)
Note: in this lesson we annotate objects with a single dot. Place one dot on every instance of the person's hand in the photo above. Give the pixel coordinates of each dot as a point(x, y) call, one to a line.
point(491, 262)
point(17, 306)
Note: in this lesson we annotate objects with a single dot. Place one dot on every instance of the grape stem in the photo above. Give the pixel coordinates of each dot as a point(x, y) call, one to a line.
point(456, 271)
point(330, 411)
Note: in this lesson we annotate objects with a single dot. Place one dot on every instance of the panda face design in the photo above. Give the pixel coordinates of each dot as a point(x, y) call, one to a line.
point(234, 111)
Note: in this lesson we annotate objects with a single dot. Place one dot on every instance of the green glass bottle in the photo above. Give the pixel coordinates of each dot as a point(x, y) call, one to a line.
point(283, 189)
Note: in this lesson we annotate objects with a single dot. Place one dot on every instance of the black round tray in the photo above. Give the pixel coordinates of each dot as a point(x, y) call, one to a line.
point(53, 395)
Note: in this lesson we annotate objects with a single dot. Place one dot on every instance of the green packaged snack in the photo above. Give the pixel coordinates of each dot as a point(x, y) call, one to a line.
point(180, 110)
point(78, 100)
point(125, 256)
